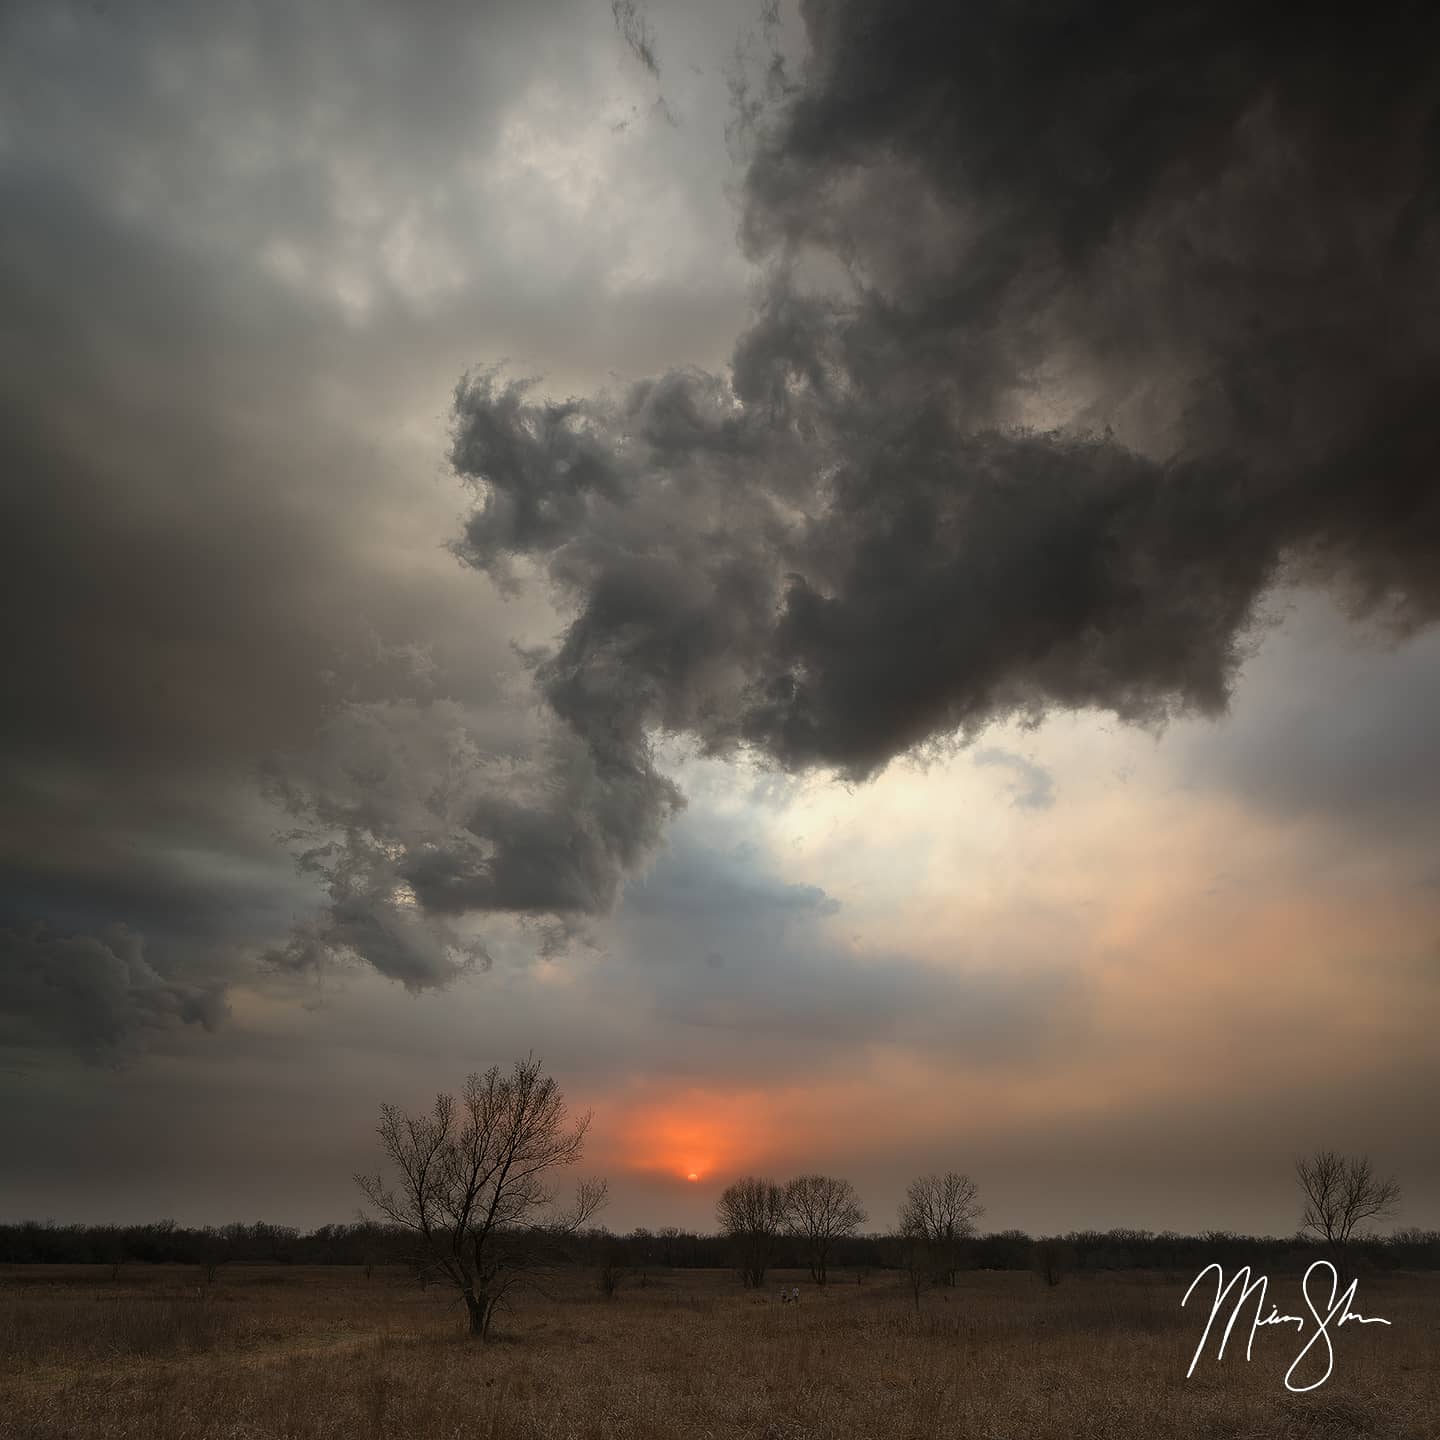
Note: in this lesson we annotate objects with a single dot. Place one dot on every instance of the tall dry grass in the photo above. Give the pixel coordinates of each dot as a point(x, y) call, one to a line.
point(81, 1329)
point(322, 1354)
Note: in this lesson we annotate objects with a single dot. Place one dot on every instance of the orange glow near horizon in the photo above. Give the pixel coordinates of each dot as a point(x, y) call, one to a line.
point(701, 1136)
point(695, 1135)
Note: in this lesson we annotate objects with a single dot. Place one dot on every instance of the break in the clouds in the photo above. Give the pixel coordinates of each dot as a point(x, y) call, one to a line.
point(726, 946)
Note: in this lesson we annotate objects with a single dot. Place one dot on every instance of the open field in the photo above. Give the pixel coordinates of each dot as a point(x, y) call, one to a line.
point(302, 1352)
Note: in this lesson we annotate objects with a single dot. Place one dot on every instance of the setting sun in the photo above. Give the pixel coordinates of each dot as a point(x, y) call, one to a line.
point(693, 1134)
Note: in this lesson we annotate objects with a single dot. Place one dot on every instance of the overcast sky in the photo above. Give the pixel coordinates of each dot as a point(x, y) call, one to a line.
point(859, 579)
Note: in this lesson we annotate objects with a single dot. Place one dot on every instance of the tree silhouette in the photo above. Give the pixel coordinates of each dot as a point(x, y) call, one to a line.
point(1341, 1194)
point(473, 1186)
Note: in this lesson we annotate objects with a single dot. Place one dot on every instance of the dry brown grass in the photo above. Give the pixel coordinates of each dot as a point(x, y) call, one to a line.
point(312, 1352)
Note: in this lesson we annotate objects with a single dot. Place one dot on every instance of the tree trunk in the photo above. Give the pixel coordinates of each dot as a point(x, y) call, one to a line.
point(478, 1309)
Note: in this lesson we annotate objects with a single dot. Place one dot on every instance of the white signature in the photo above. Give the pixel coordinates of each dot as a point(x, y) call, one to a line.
point(1336, 1312)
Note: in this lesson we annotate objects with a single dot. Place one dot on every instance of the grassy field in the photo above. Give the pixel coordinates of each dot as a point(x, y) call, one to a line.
point(328, 1352)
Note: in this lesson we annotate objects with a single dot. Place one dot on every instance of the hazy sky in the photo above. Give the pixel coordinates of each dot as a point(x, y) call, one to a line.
point(858, 578)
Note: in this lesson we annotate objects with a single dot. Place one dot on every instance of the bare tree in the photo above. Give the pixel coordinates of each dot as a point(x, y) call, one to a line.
point(614, 1255)
point(1341, 1194)
point(819, 1210)
point(210, 1252)
point(112, 1250)
point(911, 1253)
point(642, 1248)
point(1052, 1260)
point(940, 1211)
point(752, 1214)
point(473, 1184)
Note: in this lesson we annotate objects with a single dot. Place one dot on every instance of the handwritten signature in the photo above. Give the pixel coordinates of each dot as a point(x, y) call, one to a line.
point(1336, 1312)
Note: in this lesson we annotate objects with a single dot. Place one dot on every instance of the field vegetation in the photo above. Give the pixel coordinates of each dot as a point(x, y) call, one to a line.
point(155, 1352)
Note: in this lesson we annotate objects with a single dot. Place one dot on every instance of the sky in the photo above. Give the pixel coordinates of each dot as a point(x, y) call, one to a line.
point(860, 580)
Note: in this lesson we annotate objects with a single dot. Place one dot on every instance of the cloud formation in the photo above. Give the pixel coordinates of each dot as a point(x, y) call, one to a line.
point(1081, 329)
point(1073, 335)
point(247, 253)
point(96, 994)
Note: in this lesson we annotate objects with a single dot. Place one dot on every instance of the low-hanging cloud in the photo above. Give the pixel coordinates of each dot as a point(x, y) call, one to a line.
point(96, 994)
point(414, 819)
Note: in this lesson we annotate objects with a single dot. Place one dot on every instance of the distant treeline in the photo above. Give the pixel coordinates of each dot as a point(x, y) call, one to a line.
point(166, 1243)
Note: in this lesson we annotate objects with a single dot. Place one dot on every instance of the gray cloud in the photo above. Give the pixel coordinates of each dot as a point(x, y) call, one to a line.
point(637, 33)
point(416, 813)
point(1335, 725)
point(1033, 787)
point(97, 994)
point(246, 254)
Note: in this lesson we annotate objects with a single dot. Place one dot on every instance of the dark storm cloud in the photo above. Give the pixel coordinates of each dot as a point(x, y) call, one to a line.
point(415, 816)
point(1083, 327)
point(153, 595)
point(95, 993)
